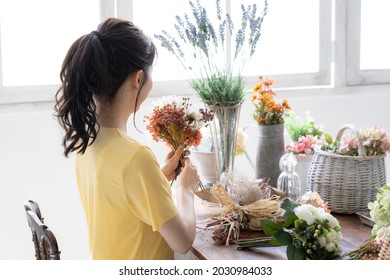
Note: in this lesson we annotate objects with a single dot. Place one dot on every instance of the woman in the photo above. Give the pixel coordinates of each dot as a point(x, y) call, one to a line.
point(106, 75)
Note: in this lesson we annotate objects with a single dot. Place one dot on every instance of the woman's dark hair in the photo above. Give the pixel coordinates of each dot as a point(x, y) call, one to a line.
point(96, 65)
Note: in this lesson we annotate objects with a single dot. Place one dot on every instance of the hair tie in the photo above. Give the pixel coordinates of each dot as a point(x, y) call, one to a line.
point(97, 34)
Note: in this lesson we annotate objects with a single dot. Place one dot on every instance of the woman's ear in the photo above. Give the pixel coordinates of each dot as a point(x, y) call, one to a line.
point(137, 78)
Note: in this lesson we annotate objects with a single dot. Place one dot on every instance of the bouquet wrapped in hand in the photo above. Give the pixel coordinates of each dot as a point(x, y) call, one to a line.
point(175, 122)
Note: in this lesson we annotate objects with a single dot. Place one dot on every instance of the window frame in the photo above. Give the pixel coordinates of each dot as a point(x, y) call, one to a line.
point(42, 93)
point(292, 80)
point(355, 75)
point(343, 50)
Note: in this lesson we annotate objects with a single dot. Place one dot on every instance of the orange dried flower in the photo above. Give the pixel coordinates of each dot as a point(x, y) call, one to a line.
point(267, 111)
point(258, 87)
point(175, 122)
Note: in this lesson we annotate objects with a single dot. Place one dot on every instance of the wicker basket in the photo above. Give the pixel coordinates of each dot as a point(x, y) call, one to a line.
point(347, 183)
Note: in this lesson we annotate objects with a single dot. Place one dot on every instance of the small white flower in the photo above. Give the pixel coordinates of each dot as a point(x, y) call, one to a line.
point(332, 235)
point(330, 247)
point(339, 236)
point(322, 241)
point(306, 212)
point(385, 201)
point(241, 141)
point(337, 248)
point(333, 222)
point(171, 99)
point(320, 213)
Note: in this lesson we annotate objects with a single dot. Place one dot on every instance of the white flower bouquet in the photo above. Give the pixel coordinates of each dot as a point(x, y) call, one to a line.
point(380, 209)
point(309, 232)
point(380, 215)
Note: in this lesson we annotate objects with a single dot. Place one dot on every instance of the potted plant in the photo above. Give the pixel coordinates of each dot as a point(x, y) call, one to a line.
point(306, 136)
point(269, 115)
point(217, 78)
point(349, 170)
point(297, 126)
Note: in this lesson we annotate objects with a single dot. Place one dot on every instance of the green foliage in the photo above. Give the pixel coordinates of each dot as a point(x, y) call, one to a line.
point(199, 43)
point(295, 253)
point(270, 227)
point(283, 237)
point(289, 220)
point(380, 209)
point(220, 88)
point(297, 126)
point(289, 206)
point(331, 146)
point(301, 238)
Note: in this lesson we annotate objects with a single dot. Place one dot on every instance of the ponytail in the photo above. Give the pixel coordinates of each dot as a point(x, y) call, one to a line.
point(81, 76)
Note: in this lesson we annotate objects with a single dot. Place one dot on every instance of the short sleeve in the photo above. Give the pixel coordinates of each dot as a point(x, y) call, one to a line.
point(147, 191)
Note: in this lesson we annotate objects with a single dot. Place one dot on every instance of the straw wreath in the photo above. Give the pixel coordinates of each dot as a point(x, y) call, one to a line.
point(235, 217)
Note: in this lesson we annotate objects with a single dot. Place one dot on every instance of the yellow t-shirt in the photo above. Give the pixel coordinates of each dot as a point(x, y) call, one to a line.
point(126, 198)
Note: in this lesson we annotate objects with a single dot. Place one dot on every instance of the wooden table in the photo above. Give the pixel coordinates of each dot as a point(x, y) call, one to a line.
point(205, 248)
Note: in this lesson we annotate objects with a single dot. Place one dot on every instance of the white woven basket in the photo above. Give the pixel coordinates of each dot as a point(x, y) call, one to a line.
point(347, 183)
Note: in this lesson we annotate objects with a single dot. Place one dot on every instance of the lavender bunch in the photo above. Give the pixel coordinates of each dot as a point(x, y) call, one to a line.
point(200, 44)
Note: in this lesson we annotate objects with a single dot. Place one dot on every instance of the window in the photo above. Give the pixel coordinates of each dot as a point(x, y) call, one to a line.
point(34, 38)
point(296, 45)
point(34, 42)
point(368, 43)
point(289, 44)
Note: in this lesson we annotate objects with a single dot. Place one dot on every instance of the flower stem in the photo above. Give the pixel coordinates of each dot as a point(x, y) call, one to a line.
point(254, 242)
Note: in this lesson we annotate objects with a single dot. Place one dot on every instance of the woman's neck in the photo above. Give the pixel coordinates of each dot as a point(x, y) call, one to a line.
point(114, 115)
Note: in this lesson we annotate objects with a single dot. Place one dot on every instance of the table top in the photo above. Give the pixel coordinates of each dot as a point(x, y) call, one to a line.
point(205, 248)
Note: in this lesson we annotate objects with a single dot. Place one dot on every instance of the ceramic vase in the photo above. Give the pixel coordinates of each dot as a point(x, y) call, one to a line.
point(205, 161)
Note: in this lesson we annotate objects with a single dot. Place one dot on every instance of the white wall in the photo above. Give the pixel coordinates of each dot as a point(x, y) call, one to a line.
point(32, 165)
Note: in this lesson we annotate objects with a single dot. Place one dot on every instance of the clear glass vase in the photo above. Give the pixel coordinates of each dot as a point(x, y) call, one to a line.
point(289, 181)
point(224, 134)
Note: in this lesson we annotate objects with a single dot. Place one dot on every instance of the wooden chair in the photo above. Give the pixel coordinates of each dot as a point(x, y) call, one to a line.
point(45, 243)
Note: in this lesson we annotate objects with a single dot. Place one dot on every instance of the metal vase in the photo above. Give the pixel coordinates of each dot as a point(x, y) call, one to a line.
point(270, 148)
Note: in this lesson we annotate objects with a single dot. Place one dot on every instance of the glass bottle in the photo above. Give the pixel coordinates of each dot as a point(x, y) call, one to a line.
point(289, 181)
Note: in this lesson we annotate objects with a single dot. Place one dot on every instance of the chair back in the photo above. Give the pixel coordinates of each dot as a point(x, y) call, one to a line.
point(45, 242)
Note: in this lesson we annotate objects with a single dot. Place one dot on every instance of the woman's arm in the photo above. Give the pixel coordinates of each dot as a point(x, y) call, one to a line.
point(179, 232)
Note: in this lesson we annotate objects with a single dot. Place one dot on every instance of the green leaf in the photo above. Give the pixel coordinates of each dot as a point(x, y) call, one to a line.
point(328, 138)
point(300, 225)
point(290, 220)
point(294, 253)
point(270, 227)
point(284, 237)
point(289, 206)
point(275, 242)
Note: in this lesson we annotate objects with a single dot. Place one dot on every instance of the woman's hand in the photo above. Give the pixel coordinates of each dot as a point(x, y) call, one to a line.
point(189, 178)
point(179, 232)
point(172, 161)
